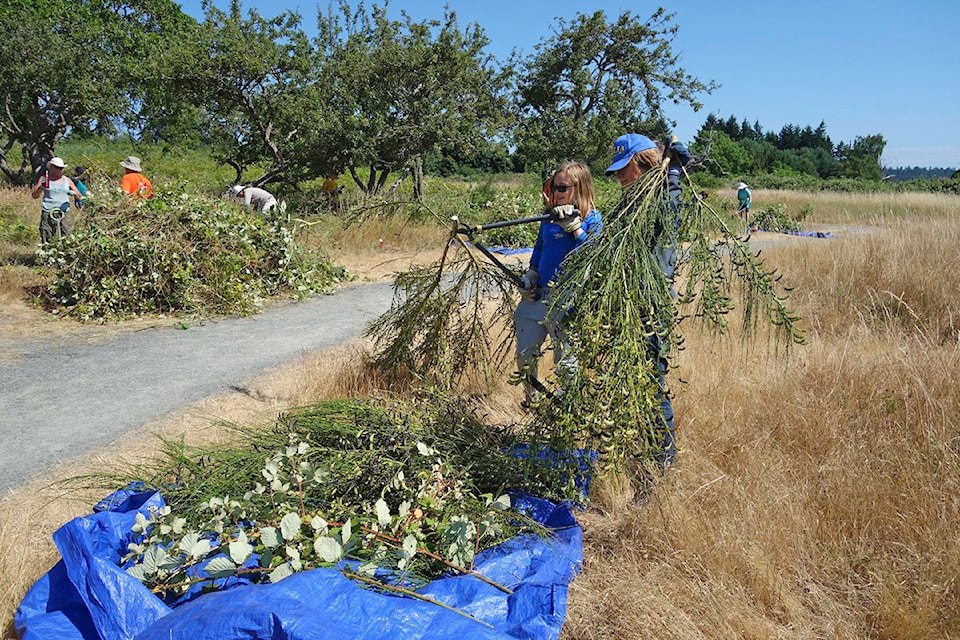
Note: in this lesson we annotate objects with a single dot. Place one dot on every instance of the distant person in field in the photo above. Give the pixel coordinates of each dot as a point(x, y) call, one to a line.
point(55, 189)
point(743, 197)
point(574, 220)
point(331, 188)
point(134, 182)
point(255, 197)
point(80, 180)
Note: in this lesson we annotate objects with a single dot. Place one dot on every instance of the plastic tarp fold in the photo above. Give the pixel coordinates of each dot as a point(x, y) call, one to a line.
point(87, 596)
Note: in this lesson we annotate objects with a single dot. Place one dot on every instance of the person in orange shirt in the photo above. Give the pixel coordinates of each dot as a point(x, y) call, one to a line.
point(134, 182)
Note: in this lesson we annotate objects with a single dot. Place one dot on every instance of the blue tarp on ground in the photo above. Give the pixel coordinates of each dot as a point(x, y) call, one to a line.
point(510, 251)
point(87, 596)
point(809, 234)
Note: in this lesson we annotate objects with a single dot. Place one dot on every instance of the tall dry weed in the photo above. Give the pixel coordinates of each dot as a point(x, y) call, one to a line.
point(814, 497)
point(856, 208)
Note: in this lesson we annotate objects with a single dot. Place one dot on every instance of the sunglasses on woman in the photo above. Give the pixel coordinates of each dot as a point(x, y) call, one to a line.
point(562, 188)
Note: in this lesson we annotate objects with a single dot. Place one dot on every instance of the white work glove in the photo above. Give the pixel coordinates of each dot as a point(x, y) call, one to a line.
point(529, 290)
point(568, 218)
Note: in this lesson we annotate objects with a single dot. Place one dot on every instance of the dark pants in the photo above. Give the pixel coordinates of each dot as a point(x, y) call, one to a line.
point(55, 224)
point(667, 453)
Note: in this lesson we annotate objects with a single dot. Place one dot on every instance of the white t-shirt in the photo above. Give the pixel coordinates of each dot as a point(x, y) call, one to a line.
point(260, 198)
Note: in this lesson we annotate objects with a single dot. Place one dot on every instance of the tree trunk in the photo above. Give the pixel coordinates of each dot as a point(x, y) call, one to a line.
point(396, 183)
point(372, 186)
point(418, 186)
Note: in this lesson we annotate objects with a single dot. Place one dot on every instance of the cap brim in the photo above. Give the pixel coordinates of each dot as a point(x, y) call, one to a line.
point(617, 165)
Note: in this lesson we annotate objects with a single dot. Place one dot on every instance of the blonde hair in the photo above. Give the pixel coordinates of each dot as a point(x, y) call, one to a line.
point(647, 159)
point(582, 179)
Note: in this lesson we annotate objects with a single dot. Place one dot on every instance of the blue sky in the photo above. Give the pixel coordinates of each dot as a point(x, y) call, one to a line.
point(862, 66)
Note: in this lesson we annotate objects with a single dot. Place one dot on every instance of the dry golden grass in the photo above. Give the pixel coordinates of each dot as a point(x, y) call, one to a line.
point(814, 497)
point(375, 249)
point(854, 208)
point(900, 275)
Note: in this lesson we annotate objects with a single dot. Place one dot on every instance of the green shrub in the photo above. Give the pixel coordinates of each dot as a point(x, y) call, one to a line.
point(774, 218)
point(17, 232)
point(178, 253)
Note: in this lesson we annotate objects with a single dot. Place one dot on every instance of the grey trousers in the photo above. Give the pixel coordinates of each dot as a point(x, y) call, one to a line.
point(533, 324)
point(51, 227)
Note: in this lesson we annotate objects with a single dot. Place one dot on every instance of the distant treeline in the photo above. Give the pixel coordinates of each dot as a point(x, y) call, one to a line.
point(917, 173)
point(803, 157)
point(733, 147)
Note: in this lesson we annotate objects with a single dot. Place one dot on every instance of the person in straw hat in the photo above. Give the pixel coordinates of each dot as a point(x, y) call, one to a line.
point(134, 182)
point(56, 189)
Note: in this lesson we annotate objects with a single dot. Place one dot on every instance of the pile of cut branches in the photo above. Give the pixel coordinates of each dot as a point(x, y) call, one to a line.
point(406, 490)
point(177, 253)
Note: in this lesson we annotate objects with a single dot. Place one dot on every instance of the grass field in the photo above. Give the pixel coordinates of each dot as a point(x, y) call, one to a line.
point(815, 496)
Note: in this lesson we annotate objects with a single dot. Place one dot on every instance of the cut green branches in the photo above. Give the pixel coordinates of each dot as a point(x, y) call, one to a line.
point(623, 315)
point(179, 254)
point(409, 491)
point(448, 320)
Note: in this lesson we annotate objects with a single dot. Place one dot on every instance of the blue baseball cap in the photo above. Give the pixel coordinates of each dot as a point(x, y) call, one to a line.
point(624, 148)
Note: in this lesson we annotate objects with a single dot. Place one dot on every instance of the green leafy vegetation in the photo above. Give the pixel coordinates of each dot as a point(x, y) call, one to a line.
point(177, 253)
point(774, 217)
point(407, 491)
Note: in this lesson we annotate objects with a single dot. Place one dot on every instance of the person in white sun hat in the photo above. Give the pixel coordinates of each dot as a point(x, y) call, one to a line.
point(255, 197)
point(743, 196)
point(56, 189)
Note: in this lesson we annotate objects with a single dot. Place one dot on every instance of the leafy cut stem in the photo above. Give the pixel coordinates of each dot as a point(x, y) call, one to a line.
point(414, 594)
point(398, 544)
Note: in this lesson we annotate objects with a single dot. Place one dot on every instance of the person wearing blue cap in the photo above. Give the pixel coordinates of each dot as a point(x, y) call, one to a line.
point(633, 155)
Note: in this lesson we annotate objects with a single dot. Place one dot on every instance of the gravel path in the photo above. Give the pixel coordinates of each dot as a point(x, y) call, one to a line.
point(66, 398)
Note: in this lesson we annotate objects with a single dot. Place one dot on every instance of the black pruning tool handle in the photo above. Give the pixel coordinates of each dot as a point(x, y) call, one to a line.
point(468, 231)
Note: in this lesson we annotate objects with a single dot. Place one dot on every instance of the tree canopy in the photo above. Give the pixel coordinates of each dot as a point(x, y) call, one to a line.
point(78, 66)
point(253, 81)
point(594, 79)
point(399, 89)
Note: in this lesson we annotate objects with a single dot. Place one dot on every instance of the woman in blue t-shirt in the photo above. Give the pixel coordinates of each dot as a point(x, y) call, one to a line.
point(575, 220)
